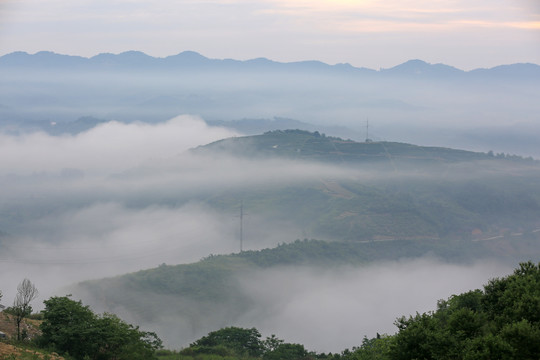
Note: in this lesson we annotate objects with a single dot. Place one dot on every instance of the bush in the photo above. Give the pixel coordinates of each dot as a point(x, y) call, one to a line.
point(70, 327)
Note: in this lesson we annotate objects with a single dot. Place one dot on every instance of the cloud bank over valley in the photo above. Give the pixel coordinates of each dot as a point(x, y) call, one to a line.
point(121, 197)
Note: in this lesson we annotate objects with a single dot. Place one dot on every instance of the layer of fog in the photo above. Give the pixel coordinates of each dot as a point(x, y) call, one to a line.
point(477, 113)
point(124, 197)
point(325, 309)
point(107, 239)
point(110, 147)
point(330, 310)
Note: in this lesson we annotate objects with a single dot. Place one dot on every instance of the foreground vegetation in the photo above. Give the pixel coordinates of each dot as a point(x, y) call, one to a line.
point(71, 328)
point(501, 321)
point(74, 331)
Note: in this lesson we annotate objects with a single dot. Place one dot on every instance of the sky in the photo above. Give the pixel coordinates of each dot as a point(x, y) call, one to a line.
point(365, 33)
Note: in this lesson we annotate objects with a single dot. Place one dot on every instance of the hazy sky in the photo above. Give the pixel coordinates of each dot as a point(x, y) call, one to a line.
point(371, 33)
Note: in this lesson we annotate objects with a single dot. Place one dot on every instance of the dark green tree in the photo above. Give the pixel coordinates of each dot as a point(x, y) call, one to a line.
point(118, 340)
point(501, 322)
point(271, 343)
point(243, 342)
point(70, 327)
point(286, 351)
point(376, 348)
point(514, 297)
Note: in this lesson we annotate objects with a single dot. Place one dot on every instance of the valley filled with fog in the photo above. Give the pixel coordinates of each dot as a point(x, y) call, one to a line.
point(416, 102)
point(119, 198)
point(102, 174)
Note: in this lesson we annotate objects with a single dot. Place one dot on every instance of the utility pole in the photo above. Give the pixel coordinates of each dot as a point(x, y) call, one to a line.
point(241, 216)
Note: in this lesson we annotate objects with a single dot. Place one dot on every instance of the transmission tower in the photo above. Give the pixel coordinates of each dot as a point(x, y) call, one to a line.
point(241, 225)
point(367, 131)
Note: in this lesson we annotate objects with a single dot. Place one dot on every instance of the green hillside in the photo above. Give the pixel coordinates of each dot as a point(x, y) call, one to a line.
point(394, 190)
point(454, 205)
point(201, 289)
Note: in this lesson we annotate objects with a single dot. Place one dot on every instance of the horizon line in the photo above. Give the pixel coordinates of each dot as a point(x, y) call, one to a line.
point(261, 58)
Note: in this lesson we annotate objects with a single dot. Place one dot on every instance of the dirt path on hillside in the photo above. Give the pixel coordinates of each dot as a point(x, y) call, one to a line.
point(9, 350)
point(8, 327)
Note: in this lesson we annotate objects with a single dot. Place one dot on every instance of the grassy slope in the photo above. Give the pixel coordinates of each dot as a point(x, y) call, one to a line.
point(15, 351)
point(419, 192)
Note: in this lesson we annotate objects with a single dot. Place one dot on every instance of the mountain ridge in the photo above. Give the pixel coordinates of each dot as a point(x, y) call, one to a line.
point(137, 59)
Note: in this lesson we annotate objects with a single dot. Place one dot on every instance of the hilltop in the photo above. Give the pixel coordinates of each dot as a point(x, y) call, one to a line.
point(306, 145)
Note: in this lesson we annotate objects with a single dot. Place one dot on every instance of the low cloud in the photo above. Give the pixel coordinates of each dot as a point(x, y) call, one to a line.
point(325, 309)
point(112, 146)
point(124, 197)
point(108, 239)
point(333, 309)
point(65, 218)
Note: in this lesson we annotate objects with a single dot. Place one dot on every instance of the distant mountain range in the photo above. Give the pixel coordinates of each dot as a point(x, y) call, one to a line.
point(415, 102)
point(192, 60)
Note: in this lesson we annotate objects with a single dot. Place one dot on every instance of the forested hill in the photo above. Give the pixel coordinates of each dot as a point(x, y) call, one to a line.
point(384, 190)
point(202, 296)
point(305, 145)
